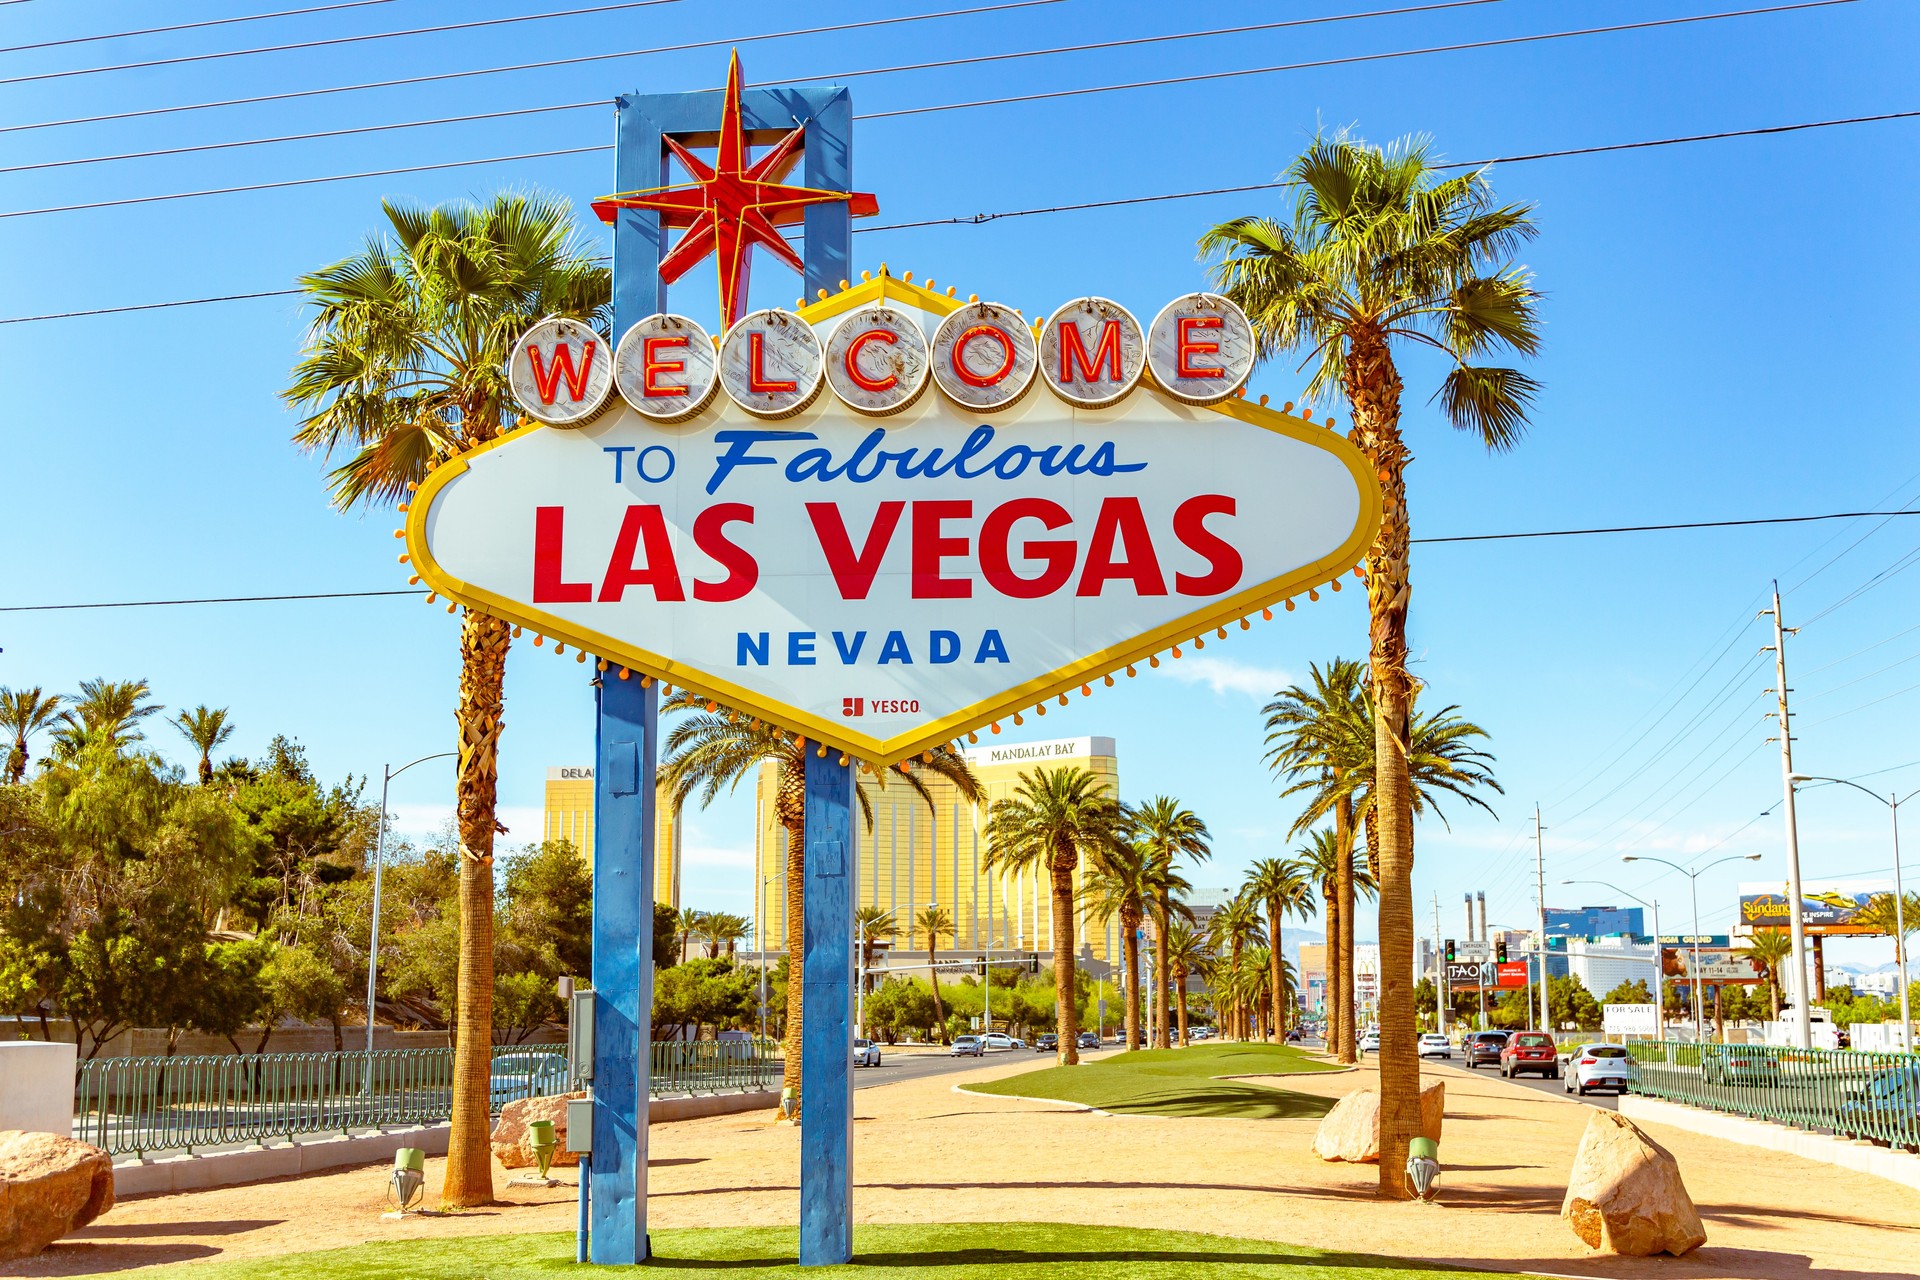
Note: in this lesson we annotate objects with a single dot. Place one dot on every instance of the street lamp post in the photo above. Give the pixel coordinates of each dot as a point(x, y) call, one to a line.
point(1892, 802)
point(1693, 886)
point(861, 994)
point(388, 774)
point(1659, 998)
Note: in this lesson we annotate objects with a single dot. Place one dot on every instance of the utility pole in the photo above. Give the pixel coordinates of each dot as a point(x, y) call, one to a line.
point(1442, 986)
point(1802, 994)
point(1540, 883)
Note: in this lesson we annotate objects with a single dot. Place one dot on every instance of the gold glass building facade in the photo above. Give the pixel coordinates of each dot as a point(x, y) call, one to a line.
point(569, 817)
point(918, 854)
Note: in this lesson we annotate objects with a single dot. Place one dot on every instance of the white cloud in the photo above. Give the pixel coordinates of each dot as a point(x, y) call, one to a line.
point(1224, 675)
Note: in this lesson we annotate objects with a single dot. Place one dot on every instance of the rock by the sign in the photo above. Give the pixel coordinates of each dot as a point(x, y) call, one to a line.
point(513, 1146)
point(1351, 1131)
point(1625, 1194)
point(49, 1186)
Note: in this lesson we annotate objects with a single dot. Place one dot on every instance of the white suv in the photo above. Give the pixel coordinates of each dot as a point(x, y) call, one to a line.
point(1435, 1045)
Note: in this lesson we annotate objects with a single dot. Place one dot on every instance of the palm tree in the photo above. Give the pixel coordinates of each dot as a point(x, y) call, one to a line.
point(1168, 832)
point(23, 713)
point(1767, 951)
point(713, 746)
point(108, 713)
point(1381, 251)
point(688, 923)
point(1187, 955)
point(1118, 884)
point(931, 923)
point(206, 729)
point(1879, 915)
point(1316, 736)
point(1234, 927)
point(405, 368)
point(724, 929)
point(870, 925)
point(1054, 818)
point(1321, 858)
point(1286, 888)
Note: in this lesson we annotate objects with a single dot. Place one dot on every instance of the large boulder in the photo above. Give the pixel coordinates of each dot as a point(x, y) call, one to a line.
point(1625, 1194)
point(512, 1146)
point(49, 1186)
point(1351, 1131)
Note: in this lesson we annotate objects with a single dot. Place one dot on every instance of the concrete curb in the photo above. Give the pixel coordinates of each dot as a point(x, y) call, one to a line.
point(318, 1154)
point(1846, 1153)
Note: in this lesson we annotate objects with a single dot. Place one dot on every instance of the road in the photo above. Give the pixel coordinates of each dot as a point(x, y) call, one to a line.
point(918, 1063)
point(1557, 1087)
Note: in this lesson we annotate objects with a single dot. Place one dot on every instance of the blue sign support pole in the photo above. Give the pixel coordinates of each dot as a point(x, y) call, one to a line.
point(628, 720)
point(826, 1069)
point(629, 717)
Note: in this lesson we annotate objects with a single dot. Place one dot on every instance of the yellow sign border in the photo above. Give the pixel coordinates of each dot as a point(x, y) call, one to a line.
point(968, 720)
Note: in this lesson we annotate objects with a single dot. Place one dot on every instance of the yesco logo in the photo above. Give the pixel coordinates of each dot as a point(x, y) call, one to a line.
point(881, 706)
point(878, 360)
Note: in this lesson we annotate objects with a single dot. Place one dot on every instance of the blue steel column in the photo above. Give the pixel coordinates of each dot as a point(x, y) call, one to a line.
point(622, 964)
point(826, 1070)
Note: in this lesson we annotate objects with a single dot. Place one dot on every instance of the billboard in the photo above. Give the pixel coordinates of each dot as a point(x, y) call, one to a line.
point(1827, 907)
point(1715, 966)
point(893, 516)
point(1629, 1019)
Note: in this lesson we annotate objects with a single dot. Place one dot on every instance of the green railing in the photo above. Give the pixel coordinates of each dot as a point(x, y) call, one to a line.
point(1875, 1096)
point(132, 1106)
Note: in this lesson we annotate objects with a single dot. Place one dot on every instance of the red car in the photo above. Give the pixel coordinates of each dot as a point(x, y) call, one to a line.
point(1530, 1051)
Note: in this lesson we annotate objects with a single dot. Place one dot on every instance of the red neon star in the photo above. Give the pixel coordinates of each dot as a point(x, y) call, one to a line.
point(732, 205)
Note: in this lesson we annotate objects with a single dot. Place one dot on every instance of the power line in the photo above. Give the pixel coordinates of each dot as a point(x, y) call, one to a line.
point(344, 595)
point(749, 38)
point(192, 26)
point(331, 41)
point(944, 64)
point(1656, 528)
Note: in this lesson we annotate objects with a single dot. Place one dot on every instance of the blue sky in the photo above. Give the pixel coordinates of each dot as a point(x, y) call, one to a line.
point(1729, 335)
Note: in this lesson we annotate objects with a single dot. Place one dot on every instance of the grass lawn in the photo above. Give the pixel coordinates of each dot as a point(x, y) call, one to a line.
point(1177, 1082)
point(973, 1251)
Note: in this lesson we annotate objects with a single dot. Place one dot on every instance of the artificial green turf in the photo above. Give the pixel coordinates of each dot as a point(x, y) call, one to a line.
point(1177, 1082)
point(969, 1251)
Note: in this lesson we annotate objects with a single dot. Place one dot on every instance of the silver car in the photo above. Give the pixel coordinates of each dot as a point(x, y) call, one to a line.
point(1598, 1066)
point(866, 1053)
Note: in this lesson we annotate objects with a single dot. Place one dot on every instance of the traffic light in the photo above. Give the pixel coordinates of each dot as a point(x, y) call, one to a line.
point(1033, 962)
point(1500, 950)
point(1449, 950)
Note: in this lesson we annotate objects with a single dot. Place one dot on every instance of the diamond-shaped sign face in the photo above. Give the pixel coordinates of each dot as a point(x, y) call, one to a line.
point(882, 579)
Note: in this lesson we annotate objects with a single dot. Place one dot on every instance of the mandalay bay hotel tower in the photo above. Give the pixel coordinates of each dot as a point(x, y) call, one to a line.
point(918, 855)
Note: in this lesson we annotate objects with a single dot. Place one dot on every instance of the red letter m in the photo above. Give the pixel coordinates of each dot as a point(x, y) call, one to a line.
point(546, 381)
point(1073, 352)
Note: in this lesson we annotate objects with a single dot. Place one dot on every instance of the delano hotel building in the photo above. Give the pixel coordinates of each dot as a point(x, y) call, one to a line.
point(918, 855)
point(569, 817)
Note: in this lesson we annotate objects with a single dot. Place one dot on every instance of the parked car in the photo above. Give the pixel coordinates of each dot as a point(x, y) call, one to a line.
point(1738, 1064)
point(1000, 1040)
point(1046, 1042)
point(1200, 1033)
point(1530, 1051)
point(1482, 1048)
point(1088, 1040)
point(866, 1053)
point(966, 1047)
point(1435, 1045)
point(1370, 1040)
point(1598, 1066)
point(526, 1075)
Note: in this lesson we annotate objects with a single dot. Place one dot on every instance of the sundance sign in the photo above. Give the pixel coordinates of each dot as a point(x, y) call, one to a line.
point(891, 517)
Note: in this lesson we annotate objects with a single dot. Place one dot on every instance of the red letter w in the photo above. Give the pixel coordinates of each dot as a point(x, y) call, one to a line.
point(546, 381)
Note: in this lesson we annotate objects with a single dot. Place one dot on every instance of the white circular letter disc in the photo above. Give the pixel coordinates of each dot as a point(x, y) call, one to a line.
point(770, 363)
point(561, 372)
point(666, 368)
point(1092, 352)
point(983, 356)
point(1200, 348)
point(877, 360)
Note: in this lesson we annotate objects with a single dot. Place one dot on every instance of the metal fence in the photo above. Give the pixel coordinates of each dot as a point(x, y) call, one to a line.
point(1875, 1096)
point(133, 1106)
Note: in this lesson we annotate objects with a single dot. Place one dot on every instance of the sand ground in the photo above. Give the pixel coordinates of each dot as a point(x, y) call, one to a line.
point(926, 1153)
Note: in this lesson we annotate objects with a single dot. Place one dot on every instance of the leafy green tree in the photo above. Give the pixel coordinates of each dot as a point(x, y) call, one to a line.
point(308, 836)
point(523, 1003)
point(666, 949)
point(1635, 992)
point(545, 915)
point(1382, 251)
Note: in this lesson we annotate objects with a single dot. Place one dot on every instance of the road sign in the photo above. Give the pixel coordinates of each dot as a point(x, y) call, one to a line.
point(1472, 951)
point(884, 583)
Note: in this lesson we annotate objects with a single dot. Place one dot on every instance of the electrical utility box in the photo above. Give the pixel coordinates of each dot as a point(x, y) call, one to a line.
point(580, 1034)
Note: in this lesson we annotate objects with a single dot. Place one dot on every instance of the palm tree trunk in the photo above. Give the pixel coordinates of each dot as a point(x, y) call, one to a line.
point(1162, 981)
point(1276, 1033)
point(1131, 924)
point(933, 976)
point(1239, 1005)
point(1344, 1042)
point(483, 668)
point(1373, 388)
point(1180, 1001)
point(1067, 1007)
point(796, 952)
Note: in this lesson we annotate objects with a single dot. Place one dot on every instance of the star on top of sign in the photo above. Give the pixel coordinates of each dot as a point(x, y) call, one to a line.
point(732, 204)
